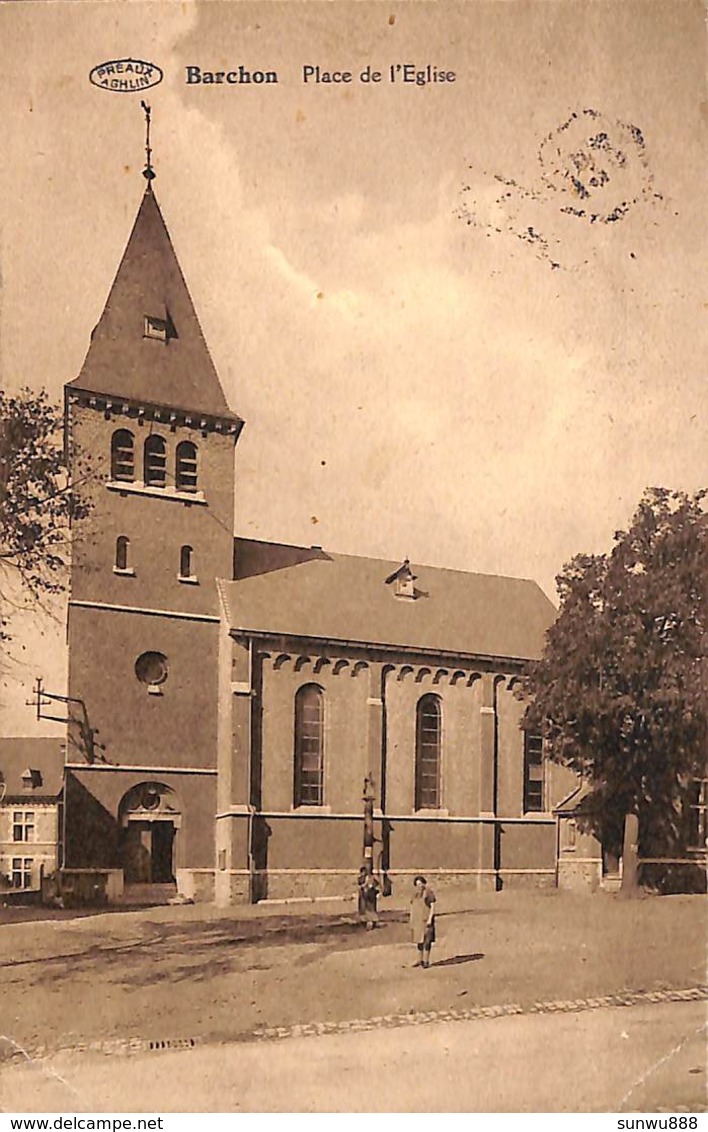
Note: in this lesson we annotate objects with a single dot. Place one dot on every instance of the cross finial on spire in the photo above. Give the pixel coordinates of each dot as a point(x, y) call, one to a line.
point(148, 172)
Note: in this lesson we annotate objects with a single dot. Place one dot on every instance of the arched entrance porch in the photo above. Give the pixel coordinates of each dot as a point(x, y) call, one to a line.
point(150, 818)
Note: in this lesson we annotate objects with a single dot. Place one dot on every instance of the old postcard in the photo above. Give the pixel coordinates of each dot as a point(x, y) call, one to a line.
point(331, 332)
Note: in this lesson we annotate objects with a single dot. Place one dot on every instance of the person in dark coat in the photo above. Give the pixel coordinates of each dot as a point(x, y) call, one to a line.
point(369, 889)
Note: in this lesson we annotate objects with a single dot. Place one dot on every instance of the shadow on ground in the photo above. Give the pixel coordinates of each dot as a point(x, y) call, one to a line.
point(206, 950)
point(454, 960)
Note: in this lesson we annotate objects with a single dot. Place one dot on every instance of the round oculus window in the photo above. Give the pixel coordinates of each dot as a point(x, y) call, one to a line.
point(151, 668)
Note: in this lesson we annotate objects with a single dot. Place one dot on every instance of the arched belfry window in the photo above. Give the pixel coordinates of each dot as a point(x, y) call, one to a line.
point(309, 746)
point(428, 743)
point(122, 455)
point(155, 461)
point(122, 553)
point(186, 466)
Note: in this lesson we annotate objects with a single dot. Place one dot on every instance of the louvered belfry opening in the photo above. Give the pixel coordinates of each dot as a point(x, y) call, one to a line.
point(122, 455)
point(186, 466)
point(155, 461)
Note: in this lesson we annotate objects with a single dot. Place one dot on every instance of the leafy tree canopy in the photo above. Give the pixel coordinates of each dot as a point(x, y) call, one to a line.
point(36, 500)
point(620, 693)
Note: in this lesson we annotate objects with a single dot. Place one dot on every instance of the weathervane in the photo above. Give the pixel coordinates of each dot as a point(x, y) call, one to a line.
point(148, 172)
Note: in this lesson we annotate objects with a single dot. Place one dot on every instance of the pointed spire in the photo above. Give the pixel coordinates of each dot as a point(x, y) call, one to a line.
point(148, 345)
point(148, 172)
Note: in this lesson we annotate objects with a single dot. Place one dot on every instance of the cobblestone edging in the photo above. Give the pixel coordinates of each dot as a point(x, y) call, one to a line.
point(124, 1046)
point(418, 1018)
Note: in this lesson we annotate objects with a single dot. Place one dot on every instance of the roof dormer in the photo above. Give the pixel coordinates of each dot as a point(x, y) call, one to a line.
point(31, 778)
point(403, 580)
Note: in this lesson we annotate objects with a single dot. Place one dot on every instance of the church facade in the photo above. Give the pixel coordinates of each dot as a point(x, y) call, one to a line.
point(233, 700)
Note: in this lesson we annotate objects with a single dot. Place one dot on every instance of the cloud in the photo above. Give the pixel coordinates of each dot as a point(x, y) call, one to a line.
point(298, 280)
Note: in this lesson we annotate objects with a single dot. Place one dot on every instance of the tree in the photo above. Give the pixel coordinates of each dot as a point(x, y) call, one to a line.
point(36, 499)
point(620, 691)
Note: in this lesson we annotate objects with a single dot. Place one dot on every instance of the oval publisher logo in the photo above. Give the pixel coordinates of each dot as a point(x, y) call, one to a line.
point(126, 76)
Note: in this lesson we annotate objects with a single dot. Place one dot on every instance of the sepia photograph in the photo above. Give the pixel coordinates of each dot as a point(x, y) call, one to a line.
point(353, 558)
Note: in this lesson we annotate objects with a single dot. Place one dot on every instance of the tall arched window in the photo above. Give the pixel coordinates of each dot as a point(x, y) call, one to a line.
point(533, 773)
point(185, 562)
point(122, 455)
point(122, 552)
point(309, 746)
point(186, 466)
point(428, 735)
point(155, 461)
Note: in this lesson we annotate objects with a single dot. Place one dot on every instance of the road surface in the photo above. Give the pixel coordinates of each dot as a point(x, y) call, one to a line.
point(638, 1059)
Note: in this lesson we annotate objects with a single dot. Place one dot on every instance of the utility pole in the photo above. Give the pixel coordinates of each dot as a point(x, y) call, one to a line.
point(42, 699)
point(11, 438)
point(368, 799)
point(4, 457)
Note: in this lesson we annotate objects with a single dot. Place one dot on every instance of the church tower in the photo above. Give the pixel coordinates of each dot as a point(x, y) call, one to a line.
point(150, 439)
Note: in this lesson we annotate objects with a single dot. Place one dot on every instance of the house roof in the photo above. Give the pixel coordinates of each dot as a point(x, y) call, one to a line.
point(307, 592)
point(44, 756)
point(121, 361)
point(581, 800)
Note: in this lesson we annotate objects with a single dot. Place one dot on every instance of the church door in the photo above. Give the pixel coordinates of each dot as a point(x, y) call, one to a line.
point(163, 837)
point(147, 852)
point(149, 818)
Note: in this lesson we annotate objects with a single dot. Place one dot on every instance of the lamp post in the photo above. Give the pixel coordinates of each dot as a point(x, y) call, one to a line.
point(368, 799)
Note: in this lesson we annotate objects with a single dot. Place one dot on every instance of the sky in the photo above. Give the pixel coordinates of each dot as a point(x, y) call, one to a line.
point(463, 321)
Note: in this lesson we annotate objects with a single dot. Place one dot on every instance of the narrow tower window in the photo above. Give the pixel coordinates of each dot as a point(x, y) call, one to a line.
point(309, 746)
point(122, 455)
point(122, 554)
point(186, 466)
point(185, 562)
point(427, 753)
point(155, 461)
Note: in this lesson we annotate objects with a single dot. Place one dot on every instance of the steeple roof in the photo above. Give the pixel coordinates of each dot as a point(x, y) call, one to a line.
point(148, 345)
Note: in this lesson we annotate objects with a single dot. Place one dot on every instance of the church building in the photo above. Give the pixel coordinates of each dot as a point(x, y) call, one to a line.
point(233, 700)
